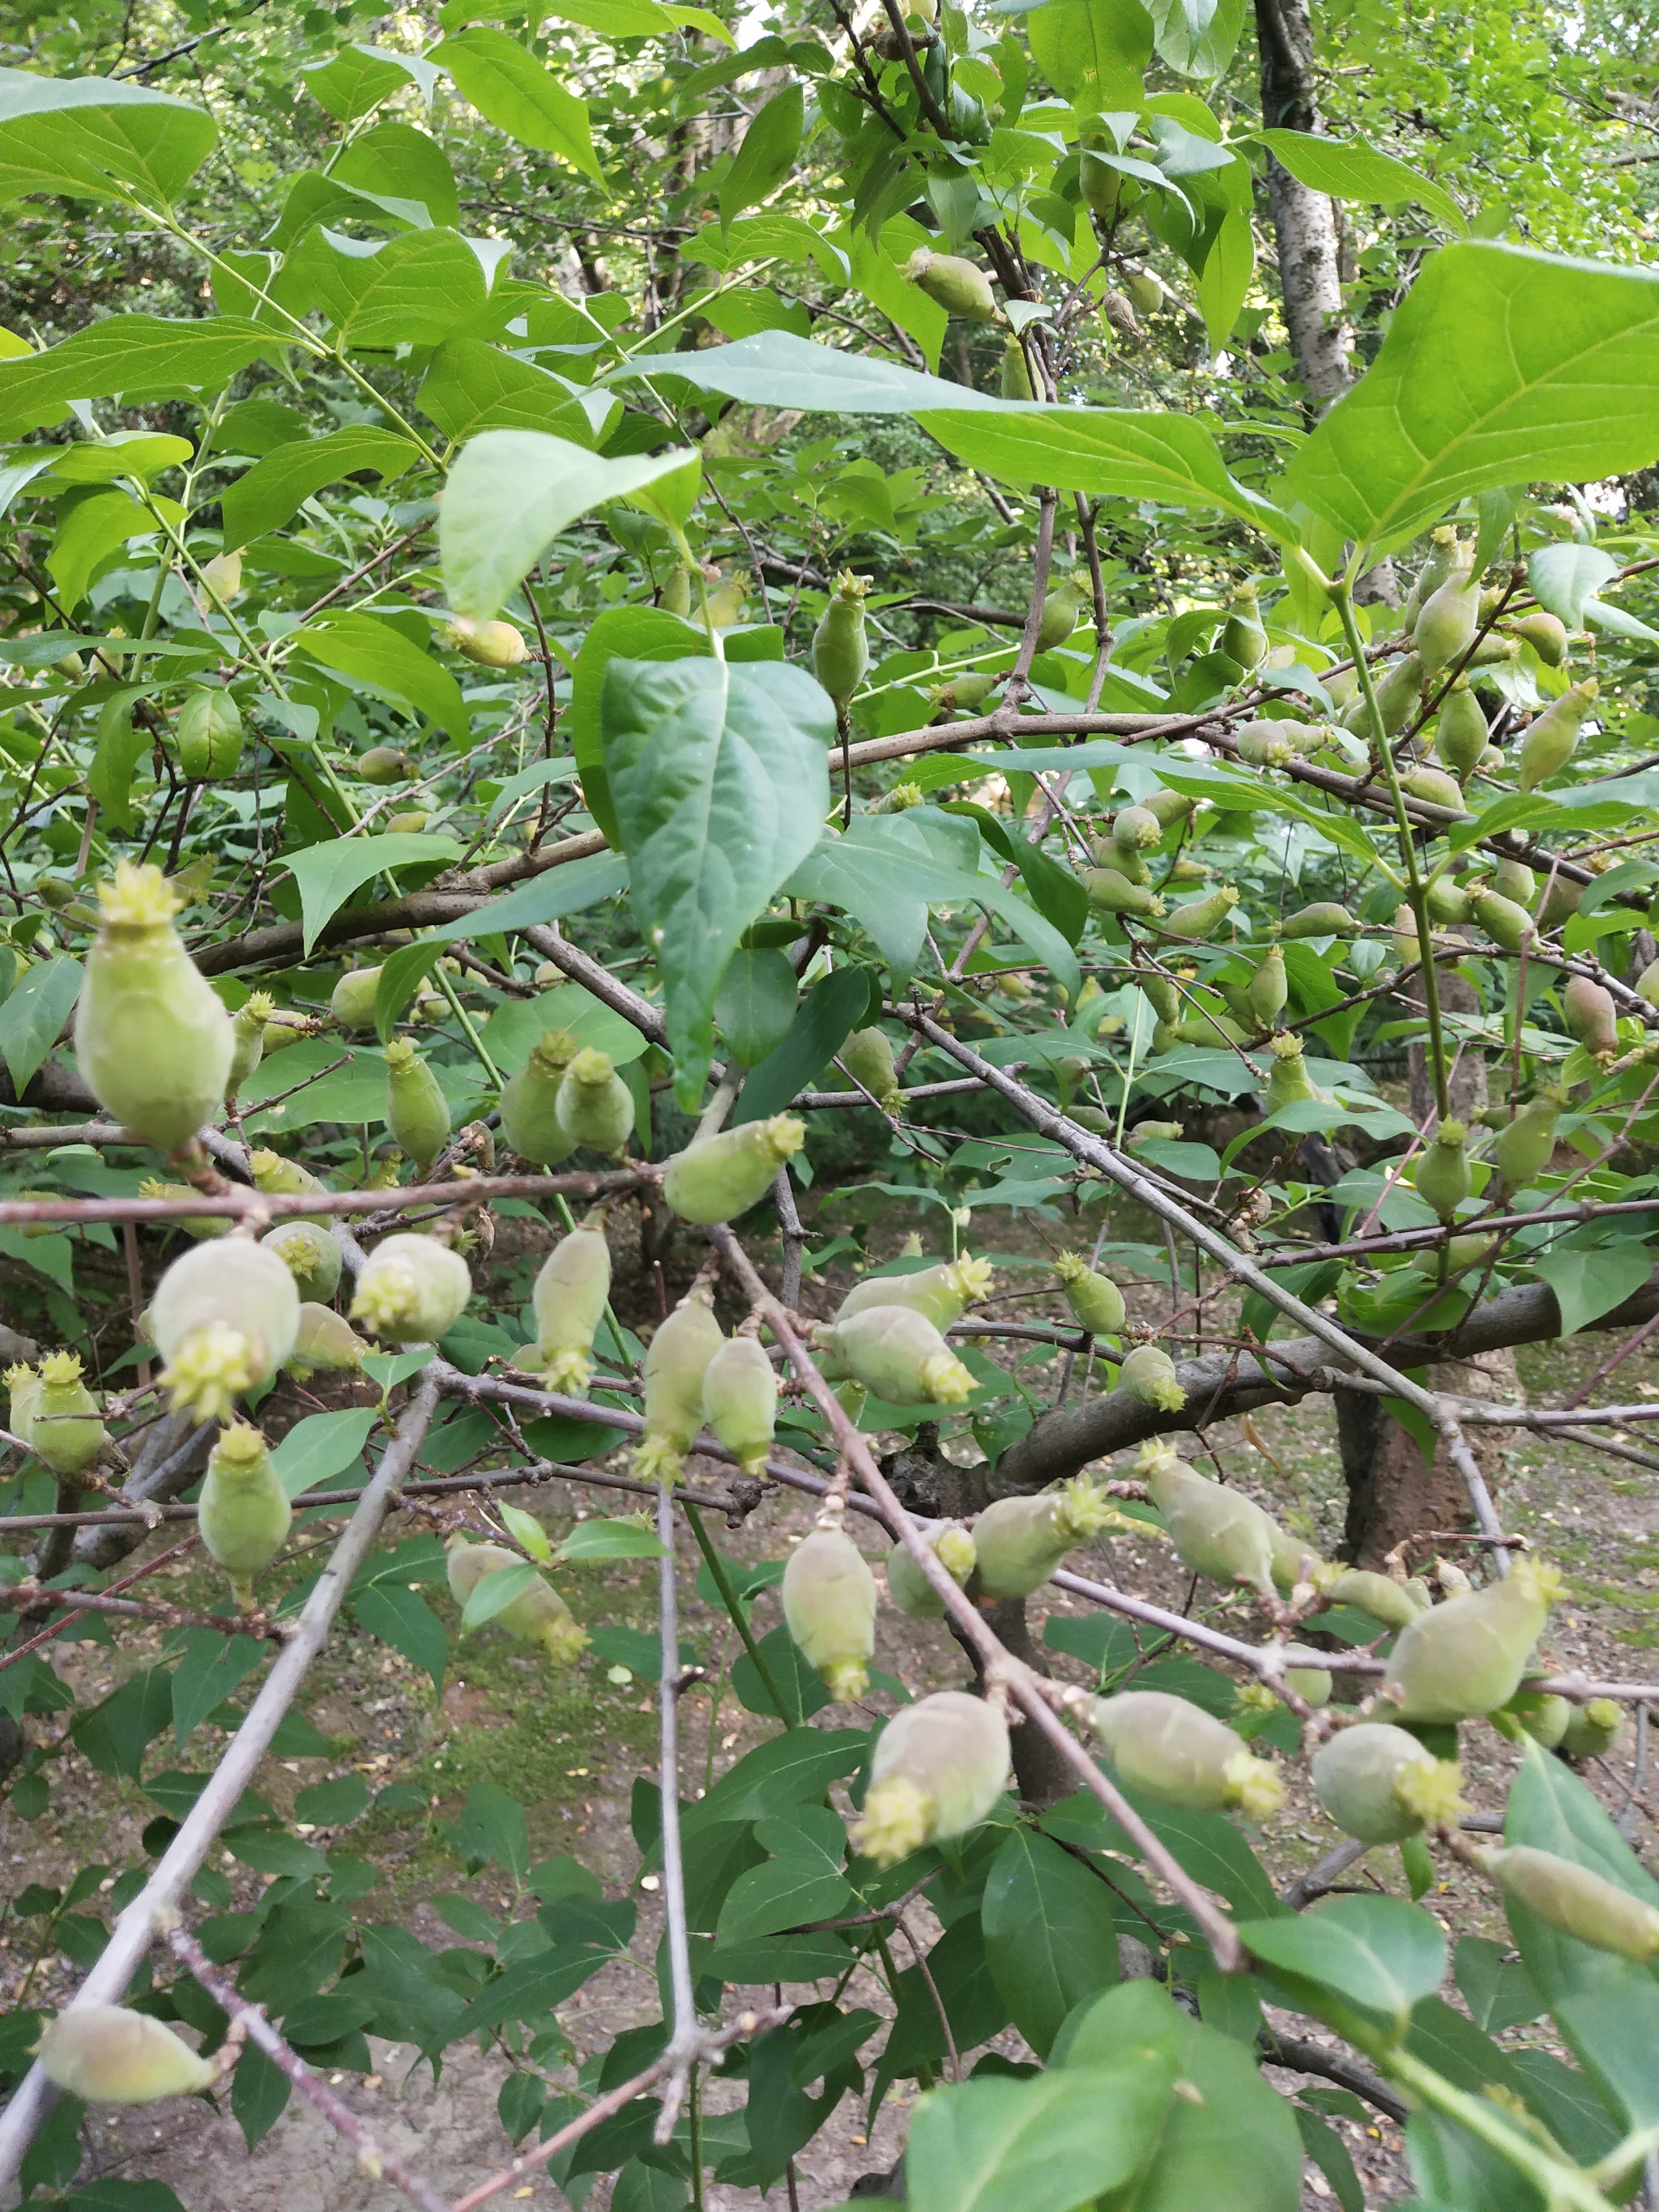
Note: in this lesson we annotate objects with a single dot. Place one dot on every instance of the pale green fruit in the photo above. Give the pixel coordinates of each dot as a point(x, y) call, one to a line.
point(1288, 1080)
point(952, 1545)
point(960, 287)
point(867, 1056)
point(595, 1107)
point(245, 1514)
point(1095, 1299)
point(280, 1178)
point(107, 2055)
point(1061, 610)
point(830, 1609)
point(1460, 733)
point(717, 1178)
point(943, 1292)
point(1326, 918)
point(1380, 1785)
point(1442, 1172)
point(537, 1615)
point(1176, 1753)
point(840, 650)
point(324, 1343)
point(1148, 1373)
point(417, 1113)
point(1592, 1729)
point(224, 1318)
point(897, 1352)
point(1268, 989)
point(1111, 890)
point(1308, 1674)
point(1215, 1531)
point(1543, 1717)
point(1550, 742)
point(1591, 1016)
point(1575, 1902)
point(939, 1767)
point(1445, 628)
point(412, 1291)
point(1019, 1542)
point(1467, 1657)
point(530, 1102)
point(1201, 918)
point(352, 1005)
point(491, 644)
point(1391, 1604)
point(152, 1038)
point(676, 1361)
point(312, 1254)
point(569, 1300)
point(248, 1036)
point(1523, 1149)
point(66, 1428)
point(24, 1387)
point(740, 1400)
point(1242, 637)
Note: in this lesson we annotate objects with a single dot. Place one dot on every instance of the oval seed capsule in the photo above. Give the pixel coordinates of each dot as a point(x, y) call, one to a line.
point(312, 1256)
point(952, 1545)
point(194, 1225)
point(1176, 1753)
point(1216, 1532)
point(248, 1038)
point(1523, 1148)
point(152, 1038)
point(537, 1615)
point(1459, 730)
point(412, 1291)
point(723, 1176)
point(1268, 987)
point(1201, 918)
point(417, 1113)
point(595, 1107)
point(491, 644)
point(1110, 890)
point(530, 1102)
point(66, 1428)
point(1467, 1657)
point(1575, 1902)
point(280, 1178)
point(1592, 1729)
point(1591, 1016)
point(1543, 1718)
point(1551, 741)
point(1445, 628)
point(224, 1318)
point(1380, 1785)
point(830, 1608)
point(1060, 609)
point(938, 1769)
point(840, 650)
point(1442, 1172)
point(23, 1395)
point(676, 1361)
point(1148, 1373)
point(1307, 1674)
point(352, 1005)
point(1325, 917)
point(1547, 634)
point(943, 1292)
point(1242, 637)
point(324, 1343)
point(960, 287)
point(1391, 1604)
point(385, 764)
point(740, 1400)
point(109, 2055)
point(245, 1514)
point(1020, 1542)
point(897, 1352)
point(1136, 829)
point(569, 1300)
point(1288, 1080)
point(1095, 1299)
point(867, 1056)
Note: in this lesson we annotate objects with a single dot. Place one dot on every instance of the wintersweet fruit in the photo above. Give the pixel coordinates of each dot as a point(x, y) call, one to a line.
point(530, 1102)
point(1445, 628)
point(248, 1038)
point(1325, 917)
point(952, 1545)
point(1201, 918)
point(939, 1767)
point(107, 2055)
point(1242, 637)
point(537, 1615)
point(1096, 1301)
point(1460, 733)
point(416, 1111)
point(412, 1291)
point(1592, 1729)
point(277, 1178)
point(841, 649)
point(1061, 607)
point(224, 1318)
point(960, 287)
point(1547, 634)
point(312, 1257)
point(1289, 1082)
point(1148, 1373)
point(23, 1395)
point(491, 644)
point(152, 1038)
point(901, 1356)
point(595, 1107)
point(1575, 1902)
point(569, 1298)
point(324, 1343)
point(867, 1056)
point(1177, 1755)
point(1268, 988)
point(740, 1400)
point(352, 1005)
point(66, 1425)
point(245, 1514)
point(830, 1609)
point(1019, 1542)
point(1389, 1603)
point(1111, 890)
point(943, 1292)
point(1467, 1657)
point(719, 1177)
point(1550, 742)
point(1380, 1785)
point(1442, 1171)
point(1216, 1532)
point(1524, 1147)
point(1591, 1016)
point(676, 1361)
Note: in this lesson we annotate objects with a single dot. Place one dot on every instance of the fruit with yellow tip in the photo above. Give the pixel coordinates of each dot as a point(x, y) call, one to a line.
point(1173, 1752)
point(537, 1615)
point(245, 1514)
point(676, 1361)
point(1576, 1901)
point(1380, 1785)
point(717, 1178)
point(66, 1426)
point(1096, 1301)
point(595, 1107)
point(412, 1290)
point(569, 1299)
point(828, 1597)
point(943, 1292)
point(530, 1102)
point(939, 1768)
point(417, 1113)
point(901, 1356)
point(952, 1545)
point(1467, 1657)
point(491, 644)
point(1019, 1542)
point(312, 1254)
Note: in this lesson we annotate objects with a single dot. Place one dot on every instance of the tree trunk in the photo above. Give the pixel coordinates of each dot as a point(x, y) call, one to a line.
point(1393, 1493)
point(1305, 221)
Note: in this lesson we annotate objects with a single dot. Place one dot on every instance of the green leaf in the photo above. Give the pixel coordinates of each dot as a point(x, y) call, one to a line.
point(495, 1593)
point(1378, 1953)
point(510, 495)
point(1500, 367)
point(1589, 1281)
point(756, 1004)
point(92, 529)
point(403, 1619)
point(1050, 1936)
point(1197, 38)
point(333, 1804)
point(274, 489)
point(212, 1666)
point(1047, 2144)
point(525, 1528)
point(1352, 170)
point(720, 780)
point(358, 78)
point(413, 289)
point(618, 633)
point(321, 1446)
point(100, 138)
point(782, 1894)
point(610, 1540)
point(835, 1006)
point(328, 874)
point(767, 153)
point(1566, 578)
point(1095, 52)
point(510, 89)
point(141, 454)
point(134, 357)
point(1225, 277)
point(379, 659)
point(121, 745)
point(471, 386)
point(32, 1015)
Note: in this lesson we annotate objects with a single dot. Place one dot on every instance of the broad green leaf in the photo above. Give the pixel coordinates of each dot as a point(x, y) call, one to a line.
point(1229, 2140)
point(1095, 52)
point(321, 1446)
point(1047, 2144)
point(618, 633)
point(719, 778)
point(100, 138)
point(525, 1528)
point(32, 1015)
point(358, 78)
point(776, 369)
point(782, 1894)
point(376, 657)
point(122, 743)
point(510, 495)
point(767, 153)
point(134, 357)
point(274, 489)
point(1589, 1281)
point(510, 89)
point(211, 1668)
point(471, 386)
point(1197, 38)
point(1351, 170)
point(140, 453)
point(495, 1593)
point(395, 161)
point(835, 1006)
point(1050, 1936)
point(1500, 367)
point(413, 289)
point(1378, 1953)
point(1225, 277)
point(756, 1004)
point(328, 874)
point(92, 529)
point(610, 1540)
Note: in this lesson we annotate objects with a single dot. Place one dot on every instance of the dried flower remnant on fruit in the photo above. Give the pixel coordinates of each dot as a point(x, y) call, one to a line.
point(1380, 1785)
point(717, 1178)
point(1148, 1373)
point(1096, 1301)
point(830, 1609)
point(244, 1513)
point(569, 1300)
point(1019, 1542)
point(1592, 1729)
point(840, 650)
point(740, 1400)
point(1551, 741)
point(939, 1767)
point(66, 1426)
point(676, 1361)
point(943, 1292)
point(224, 1318)
point(595, 1107)
point(961, 288)
point(412, 1290)
point(867, 1056)
point(491, 644)
point(323, 1343)
point(1467, 1657)
point(417, 1113)
point(312, 1256)
point(898, 1353)
point(530, 1102)
point(1177, 1755)
point(952, 1545)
